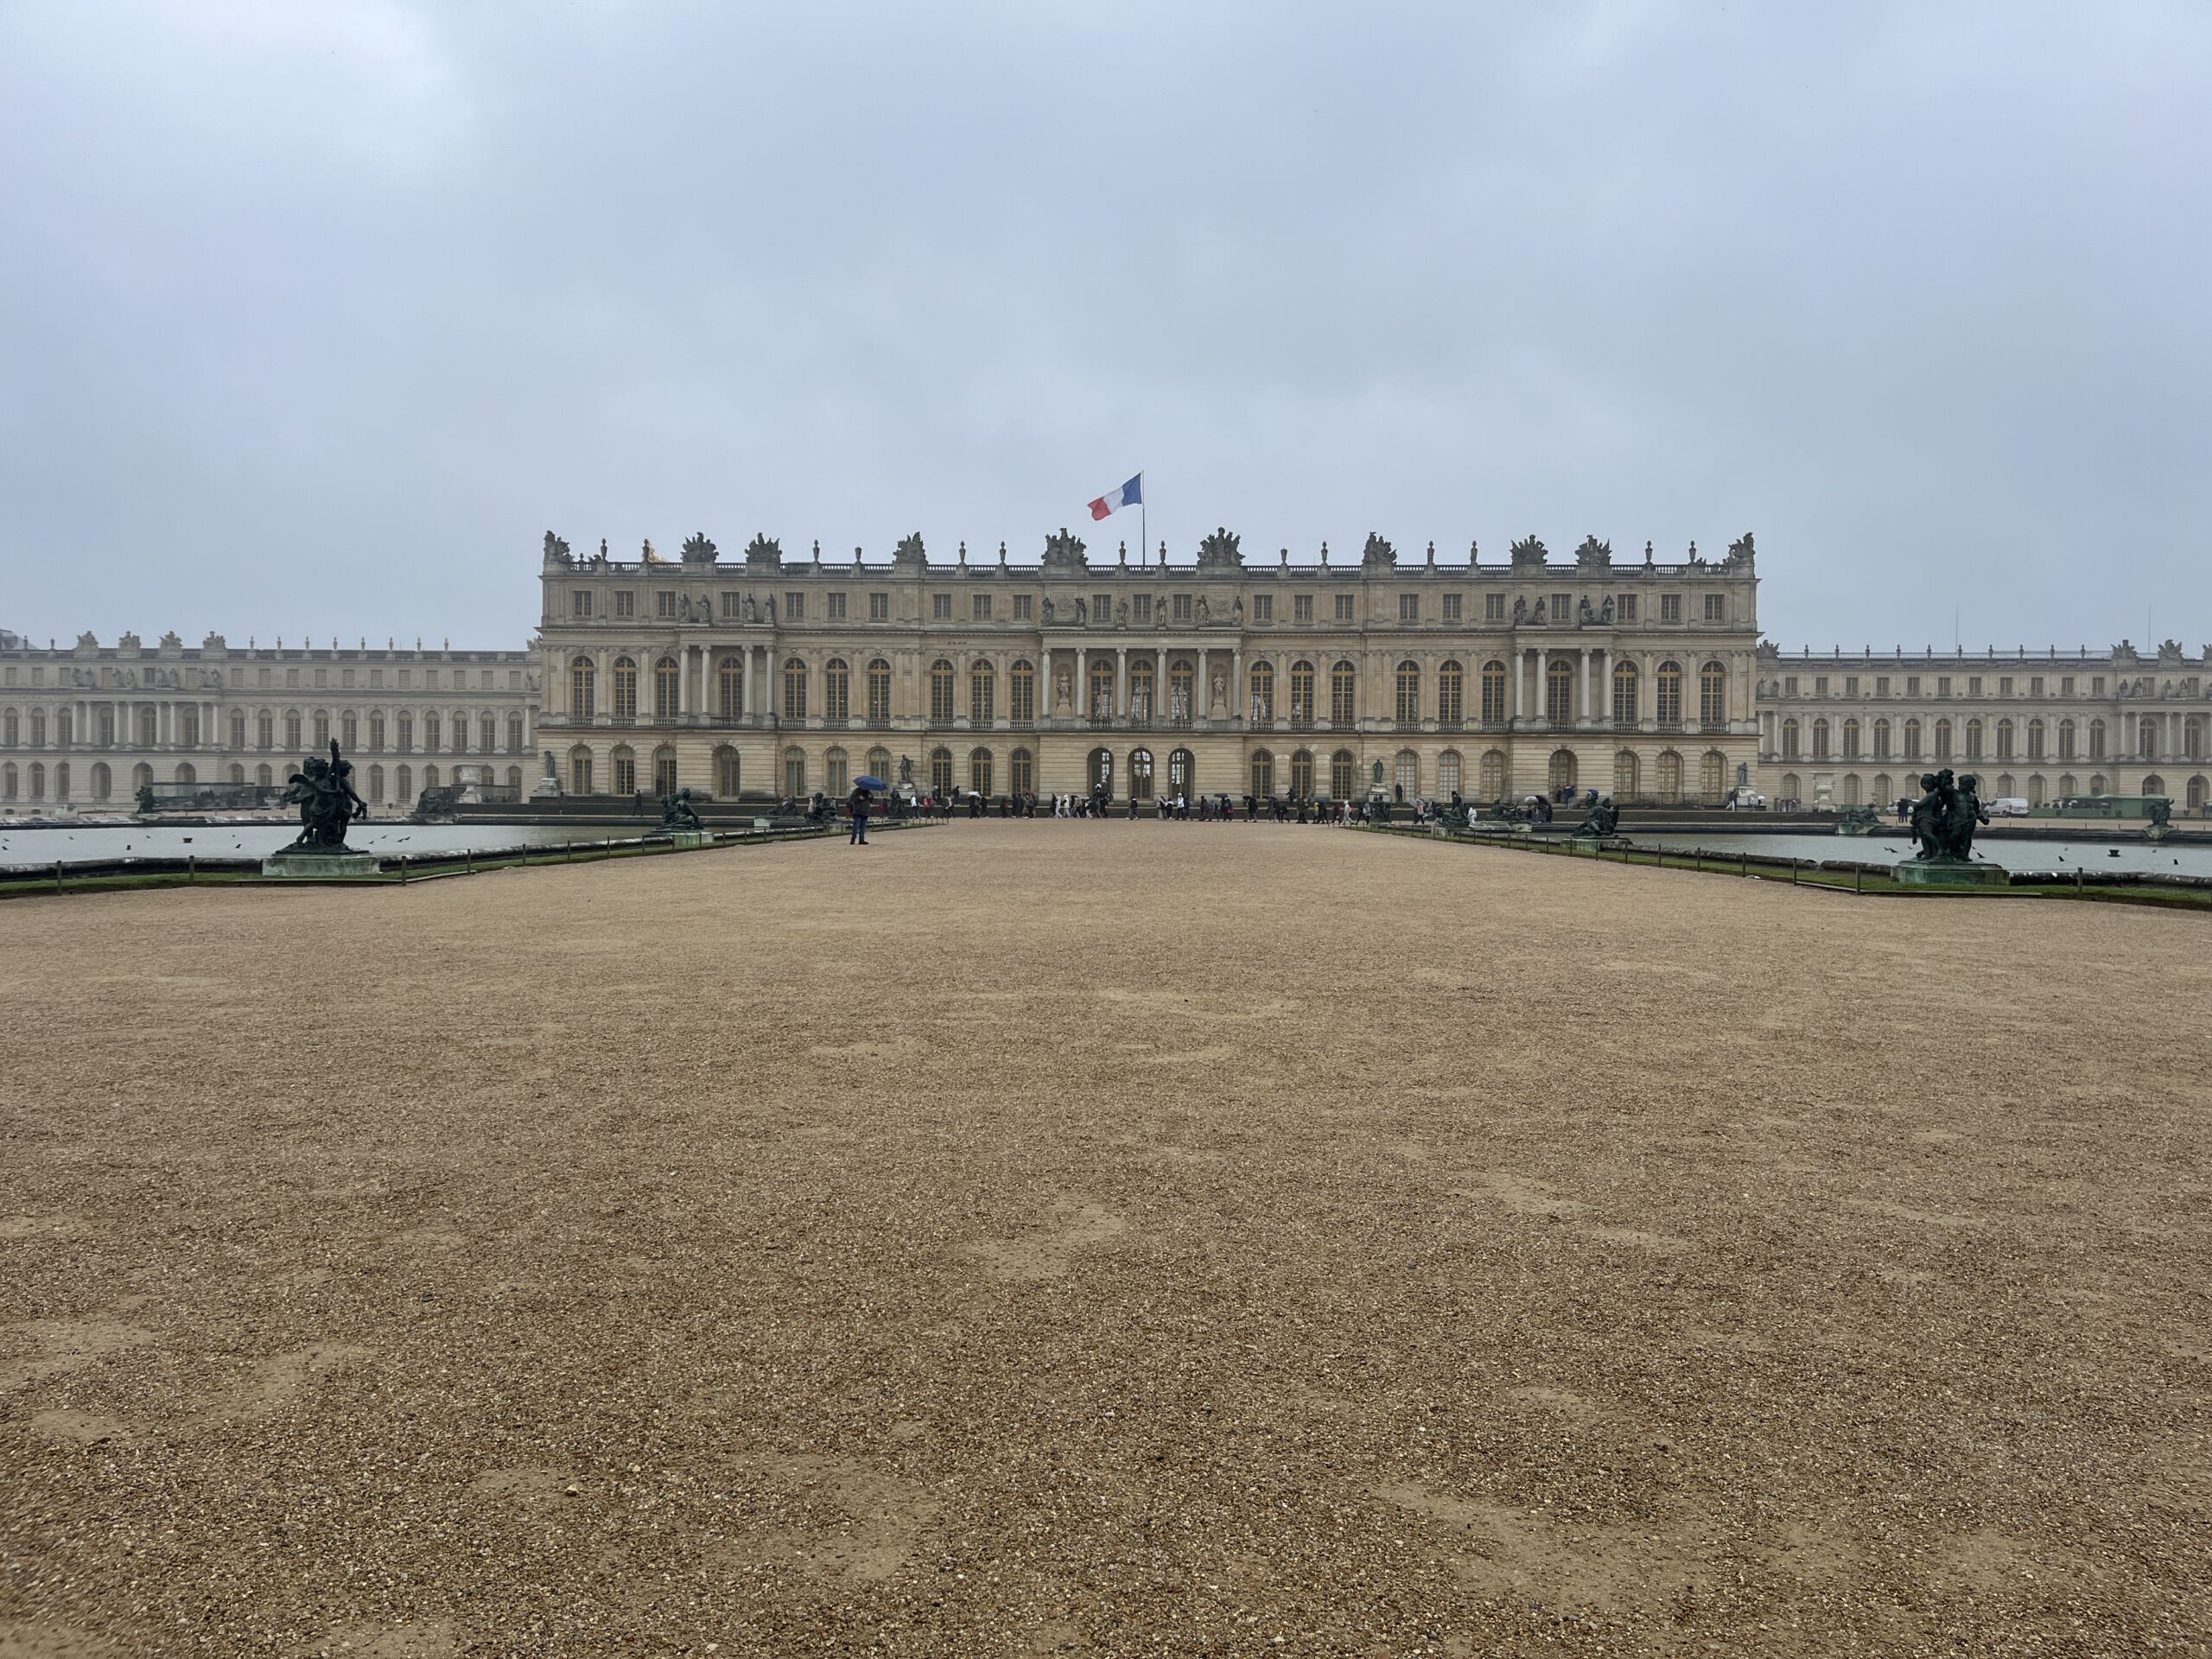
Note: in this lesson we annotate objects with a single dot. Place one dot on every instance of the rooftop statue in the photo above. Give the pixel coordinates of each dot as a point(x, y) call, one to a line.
point(1063, 551)
point(764, 553)
point(649, 556)
point(1740, 550)
point(1377, 553)
point(1222, 549)
point(910, 550)
point(556, 550)
point(1593, 553)
point(697, 550)
point(1529, 551)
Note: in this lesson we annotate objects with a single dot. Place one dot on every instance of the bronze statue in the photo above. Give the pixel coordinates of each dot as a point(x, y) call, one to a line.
point(323, 791)
point(676, 812)
point(1945, 816)
point(1603, 823)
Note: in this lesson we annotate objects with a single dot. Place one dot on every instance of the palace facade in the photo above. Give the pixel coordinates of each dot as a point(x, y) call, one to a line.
point(770, 675)
point(783, 677)
point(88, 725)
point(1847, 728)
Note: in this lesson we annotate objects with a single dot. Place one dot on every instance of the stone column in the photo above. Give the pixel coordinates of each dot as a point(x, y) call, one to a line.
point(1240, 697)
point(1121, 682)
point(1582, 715)
point(1083, 682)
point(1513, 685)
point(1544, 684)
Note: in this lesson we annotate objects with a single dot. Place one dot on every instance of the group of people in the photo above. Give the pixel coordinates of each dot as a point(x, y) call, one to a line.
point(1220, 807)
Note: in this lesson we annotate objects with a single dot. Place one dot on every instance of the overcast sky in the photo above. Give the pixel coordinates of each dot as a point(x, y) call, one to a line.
point(315, 314)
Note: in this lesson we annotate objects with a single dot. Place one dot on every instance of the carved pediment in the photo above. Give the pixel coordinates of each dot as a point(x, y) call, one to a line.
point(1377, 553)
point(764, 553)
point(697, 550)
point(1063, 551)
point(1529, 551)
point(1220, 551)
point(1593, 553)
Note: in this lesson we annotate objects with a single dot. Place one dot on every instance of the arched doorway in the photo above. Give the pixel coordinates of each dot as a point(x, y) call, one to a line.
point(1343, 782)
point(1405, 781)
point(795, 771)
point(1490, 776)
point(1263, 774)
point(1301, 774)
point(1624, 776)
point(1182, 772)
point(1562, 771)
point(1141, 774)
point(1099, 777)
point(725, 772)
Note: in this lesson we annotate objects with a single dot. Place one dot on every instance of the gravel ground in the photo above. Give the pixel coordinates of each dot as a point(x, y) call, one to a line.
point(1066, 1237)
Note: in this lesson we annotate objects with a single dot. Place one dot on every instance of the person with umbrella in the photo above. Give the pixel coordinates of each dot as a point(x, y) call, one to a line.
point(858, 804)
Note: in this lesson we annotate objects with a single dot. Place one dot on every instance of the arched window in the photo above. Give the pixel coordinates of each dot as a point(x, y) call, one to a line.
point(727, 772)
point(1408, 687)
point(622, 769)
point(1342, 782)
point(667, 692)
point(1624, 776)
point(1021, 772)
point(1102, 690)
point(376, 783)
point(2038, 790)
point(102, 781)
point(1851, 739)
point(729, 689)
point(1792, 788)
point(836, 693)
point(795, 771)
point(836, 772)
point(1624, 689)
point(1494, 699)
point(1490, 776)
point(432, 732)
point(1301, 774)
point(1974, 740)
point(1670, 777)
point(2096, 739)
point(979, 774)
point(2096, 783)
point(583, 676)
point(795, 689)
point(1850, 789)
point(2006, 788)
point(1020, 701)
point(1450, 695)
point(1182, 773)
point(1558, 692)
point(8, 782)
point(149, 727)
point(626, 693)
point(1141, 774)
point(2195, 797)
point(2146, 738)
point(349, 732)
point(321, 728)
point(664, 770)
point(2153, 785)
point(1882, 797)
point(1182, 691)
point(2004, 740)
point(1302, 713)
point(514, 734)
point(580, 780)
point(514, 780)
point(141, 775)
point(1881, 740)
point(294, 736)
point(262, 776)
point(1099, 773)
point(1406, 776)
point(405, 723)
point(61, 780)
point(1562, 769)
point(1263, 774)
point(11, 729)
point(1789, 738)
point(878, 693)
point(982, 693)
point(487, 733)
point(2066, 785)
point(2066, 740)
point(1262, 679)
point(1942, 740)
point(1912, 740)
point(1343, 694)
point(1448, 774)
point(1670, 696)
point(879, 763)
point(376, 732)
point(1712, 778)
point(2192, 738)
point(1821, 739)
point(106, 716)
point(1712, 698)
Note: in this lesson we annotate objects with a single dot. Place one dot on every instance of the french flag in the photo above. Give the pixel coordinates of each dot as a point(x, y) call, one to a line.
point(1129, 495)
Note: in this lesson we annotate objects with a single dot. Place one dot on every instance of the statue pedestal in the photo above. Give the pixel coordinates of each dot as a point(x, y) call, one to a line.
point(1950, 872)
point(547, 789)
point(308, 864)
point(691, 838)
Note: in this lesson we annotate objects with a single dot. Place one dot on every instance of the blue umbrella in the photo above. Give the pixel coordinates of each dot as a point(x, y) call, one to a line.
point(868, 783)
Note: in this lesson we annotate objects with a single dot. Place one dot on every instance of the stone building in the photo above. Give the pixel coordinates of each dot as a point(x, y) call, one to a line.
point(86, 725)
point(781, 676)
point(1847, 728)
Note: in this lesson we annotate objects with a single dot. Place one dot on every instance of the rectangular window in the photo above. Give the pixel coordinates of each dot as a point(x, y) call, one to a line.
point(1182, 602)
point(1912, 685)
point(1408, 607)
point(1493, 607)
point(1301, 607)
point(1562, 607)
point(1264, 607)
point(1851, 685)
point(1627, 610)
point(626, 602)
point(376, 676)
point(1143, 609)
point(345, 678)
point(1820, 685)
point(580, 602)
point(1881, 685)
point(430, 679)
point(664, 602)
point(1452, 607)
point(1022, 607)
point(1670, 607)
point(1344, 608)
point(322, 676)
point(836, 607)
point(879, 607)
point(1102, 609)
point(2005, 685)
point(1942, 685)
point(291, 676)
point(794, 607)
point(979, 606)
point(1789, 685)
point(730, 611)
point(940, 607)
point(2097, 685)
point(406, 679)
point(1716, 607)
point(2066, 685)
point(2034, 686)
point(1973, 685)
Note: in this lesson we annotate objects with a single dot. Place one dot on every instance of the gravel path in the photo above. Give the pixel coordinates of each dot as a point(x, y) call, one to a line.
point(1065, 1237)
